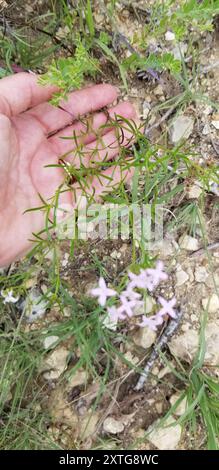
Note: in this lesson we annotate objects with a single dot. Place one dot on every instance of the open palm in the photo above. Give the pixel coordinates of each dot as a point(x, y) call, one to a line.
point(31, 136)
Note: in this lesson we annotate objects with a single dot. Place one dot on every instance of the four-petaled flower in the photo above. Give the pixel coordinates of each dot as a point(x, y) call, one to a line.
point(126, 306)
point(167, 307)
point(8, 297)
point(130, 294)
point(102, 292)
point(151, 322)
point(141, 281)
point(114, 314)
point(157, 274)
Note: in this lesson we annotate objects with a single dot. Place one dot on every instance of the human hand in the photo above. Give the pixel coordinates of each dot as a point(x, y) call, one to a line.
point(30, 136)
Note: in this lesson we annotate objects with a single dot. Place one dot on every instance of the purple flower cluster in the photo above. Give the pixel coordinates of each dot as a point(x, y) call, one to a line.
point(148, 279)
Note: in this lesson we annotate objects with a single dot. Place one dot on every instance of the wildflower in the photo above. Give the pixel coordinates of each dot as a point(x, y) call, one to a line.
point(102, 292)
point(150, 322)
point(114, 314)
point(167, 307)
point(130, 294)
point(8, 297)
point(141, 281)
point(126, 306)
point(157, 274)
point(169, 36)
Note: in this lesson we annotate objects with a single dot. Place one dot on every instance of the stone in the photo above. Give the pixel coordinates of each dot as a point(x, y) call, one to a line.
point(78, 378)
point(169, 36)
point(166, 438)
point(112, 426)
point(206, 129)
point(211, 304)
point(188, 243)
point(194, 191)
point(34, 306)
point(215, 124)
point(49, 341)
point(181, 128)
point(181, 408)
point(146, 109)
point(145, 337)
point(201, 274)
point(181, 277)
point(185, 346)
point(179, 51)
point(55, 364)
point(158, 91)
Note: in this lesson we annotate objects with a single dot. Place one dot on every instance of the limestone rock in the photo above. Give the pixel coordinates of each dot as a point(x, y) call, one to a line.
point(166, 438)
point(55, 364)
point(145, 337)
point(211, 303)
point(188, 243)
point(181, 128)
point(112, 426)
point(181, 408)
point(185, 346)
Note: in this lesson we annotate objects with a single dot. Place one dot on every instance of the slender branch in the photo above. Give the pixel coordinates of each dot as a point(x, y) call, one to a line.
point(161, 343)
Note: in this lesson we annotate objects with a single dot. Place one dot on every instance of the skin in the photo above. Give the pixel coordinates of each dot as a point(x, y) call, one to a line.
point(30, 137)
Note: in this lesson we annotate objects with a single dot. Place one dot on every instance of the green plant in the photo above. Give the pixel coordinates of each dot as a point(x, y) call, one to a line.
point(68, 73)
point(160, 62)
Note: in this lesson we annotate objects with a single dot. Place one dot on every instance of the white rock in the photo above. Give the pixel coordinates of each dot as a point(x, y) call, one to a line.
point(169, 36)
point(145, 337)
point(112, 426)
point(146, 109)
point(132, 359)
point(194, 191)
point(179, 51)
point(185, 346)
point(50, 341)
point(181, 128)
point(188, 243)
point(181, 277)
point(158, 91)
point(165, 248)
point(34, 306)
point(55, 364)
point(78, 378)
point(215, 124)
point(166, 438)
point(181, 408)
point(201, 274)
point(211, 303)
point(114, 254)
point(206, 129)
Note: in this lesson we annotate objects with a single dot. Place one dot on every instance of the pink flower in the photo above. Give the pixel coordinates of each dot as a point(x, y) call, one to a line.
point(141, 281)
point(126, 306)
point(102, 292)
point(157, 274)
point(114, 314)
point(151, 322)
point(130, 294)
point(167, 307)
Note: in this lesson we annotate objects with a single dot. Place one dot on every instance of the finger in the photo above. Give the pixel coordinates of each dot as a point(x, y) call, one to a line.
point(98, 186)
point(104, 148)
point(80, 102)
point(86, 131)
point(20, 92)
